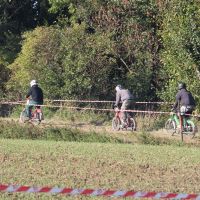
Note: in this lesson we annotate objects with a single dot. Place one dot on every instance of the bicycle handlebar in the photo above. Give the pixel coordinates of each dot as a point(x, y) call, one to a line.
point(116, 109)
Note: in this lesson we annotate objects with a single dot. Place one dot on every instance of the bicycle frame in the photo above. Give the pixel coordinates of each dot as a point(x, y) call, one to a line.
point(35, 111)
point(36, 115)
point(117, 122)
point(187, 126)
point(175, 117)
point(118, 114)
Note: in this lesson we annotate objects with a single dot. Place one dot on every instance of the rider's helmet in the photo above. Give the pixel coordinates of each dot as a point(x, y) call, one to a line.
point(118, 87)
point(33, 82)
point(181, 86)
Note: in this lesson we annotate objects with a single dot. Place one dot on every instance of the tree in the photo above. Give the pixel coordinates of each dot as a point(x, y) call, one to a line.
point(181, 40)
point(39, 59)
point(17, 16)
point(132, 26)
point(68, 63)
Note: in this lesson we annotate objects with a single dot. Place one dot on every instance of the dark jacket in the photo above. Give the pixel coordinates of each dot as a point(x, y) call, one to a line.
point(184, 98)
point(123, 95)
point(36, 94)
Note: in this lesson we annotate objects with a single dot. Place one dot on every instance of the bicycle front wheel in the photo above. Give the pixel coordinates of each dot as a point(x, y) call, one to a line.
point(23, 118)
point(170, 126)
point(116, 124)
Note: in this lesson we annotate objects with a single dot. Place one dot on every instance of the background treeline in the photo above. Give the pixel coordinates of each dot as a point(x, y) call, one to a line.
point(82, 48)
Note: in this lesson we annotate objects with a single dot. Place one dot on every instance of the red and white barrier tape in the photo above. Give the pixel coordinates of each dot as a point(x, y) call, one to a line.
point(87, 108)
point(97, 109)
point(95, 101)
point(97, 192)
point(98, 101)
point(81, 101)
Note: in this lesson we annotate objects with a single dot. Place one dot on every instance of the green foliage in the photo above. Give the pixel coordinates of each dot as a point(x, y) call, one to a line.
point(8, 50)
point(147, 138)
point(3, 79)
point(132, 27)
point(146, 45)
point(108, 42)
point(181, 40)
point(39, 51)
point(17, 16)
point(87, 67)
point(67, 62)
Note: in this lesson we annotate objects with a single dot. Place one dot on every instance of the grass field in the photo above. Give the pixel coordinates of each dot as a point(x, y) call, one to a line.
point(98, 165)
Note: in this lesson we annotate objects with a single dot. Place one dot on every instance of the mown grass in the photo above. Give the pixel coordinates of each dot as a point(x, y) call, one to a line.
point(66, 156)
point(98, 165)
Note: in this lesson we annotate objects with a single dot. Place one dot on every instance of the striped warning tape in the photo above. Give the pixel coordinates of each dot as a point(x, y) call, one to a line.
point(86, 108)
point(98, 101)
point(95, 109)
point(92, 101)
point(97, 192)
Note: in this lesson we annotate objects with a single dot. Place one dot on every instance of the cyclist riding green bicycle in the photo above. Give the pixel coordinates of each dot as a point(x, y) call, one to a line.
point(123, 95)
point(185, 103)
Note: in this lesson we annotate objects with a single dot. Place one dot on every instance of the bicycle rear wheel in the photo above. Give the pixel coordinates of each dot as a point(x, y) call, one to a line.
point(116, 124)
point(132, 124)
point(37, 119)
point(191, 128)
point(170, 126)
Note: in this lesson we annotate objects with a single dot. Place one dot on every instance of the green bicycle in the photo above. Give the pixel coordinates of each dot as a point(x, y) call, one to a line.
point(173, 125)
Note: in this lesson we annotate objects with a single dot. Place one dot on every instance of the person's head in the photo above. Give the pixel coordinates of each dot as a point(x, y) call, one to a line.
point(181, 86)
point(118, 87)
point(33, 82)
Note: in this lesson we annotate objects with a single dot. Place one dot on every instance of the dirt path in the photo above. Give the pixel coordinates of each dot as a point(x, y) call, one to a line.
point(126, 136)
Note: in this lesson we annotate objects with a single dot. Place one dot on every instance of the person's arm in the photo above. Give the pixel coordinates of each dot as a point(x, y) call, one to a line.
point(118, 97)
point(178, 97)
point(29, 93)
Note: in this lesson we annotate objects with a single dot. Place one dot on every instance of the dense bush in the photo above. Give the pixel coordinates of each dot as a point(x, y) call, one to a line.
point(181, 40)
point(67, 63)
point(132, 26)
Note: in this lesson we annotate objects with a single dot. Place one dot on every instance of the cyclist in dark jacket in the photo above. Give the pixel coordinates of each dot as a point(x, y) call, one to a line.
point(185, 102)
point(35, 96)
point(124, 96)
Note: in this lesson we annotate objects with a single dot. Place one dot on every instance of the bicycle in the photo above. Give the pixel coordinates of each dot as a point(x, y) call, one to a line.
point(36, 116)
point(173, 125)
point(117, 122)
